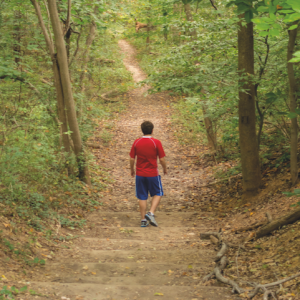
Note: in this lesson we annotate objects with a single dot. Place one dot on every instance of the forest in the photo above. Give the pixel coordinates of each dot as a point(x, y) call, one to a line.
point(220, 78)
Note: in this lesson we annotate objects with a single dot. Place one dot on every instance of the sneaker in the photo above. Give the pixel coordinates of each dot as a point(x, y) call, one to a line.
point(144, 223)
point(151, 219)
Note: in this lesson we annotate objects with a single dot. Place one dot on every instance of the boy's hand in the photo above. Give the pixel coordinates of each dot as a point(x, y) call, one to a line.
point(132, 160)
point(164, 165)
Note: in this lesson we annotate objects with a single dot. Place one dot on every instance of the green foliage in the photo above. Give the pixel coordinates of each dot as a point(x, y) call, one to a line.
point(10, 292)
point(295, 193)
point(38, 180)
point(35, 261)
point(203, 70)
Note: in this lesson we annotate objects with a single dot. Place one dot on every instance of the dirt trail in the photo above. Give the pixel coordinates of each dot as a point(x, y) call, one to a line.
point(116, 258)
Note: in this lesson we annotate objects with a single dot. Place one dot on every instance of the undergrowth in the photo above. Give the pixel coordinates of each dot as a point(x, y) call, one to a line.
point(36, 188)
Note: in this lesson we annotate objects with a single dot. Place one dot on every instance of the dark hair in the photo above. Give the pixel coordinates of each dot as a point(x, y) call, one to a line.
point(147, 127)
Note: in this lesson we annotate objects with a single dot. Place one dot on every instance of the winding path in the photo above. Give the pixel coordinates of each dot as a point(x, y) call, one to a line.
point(117, 259)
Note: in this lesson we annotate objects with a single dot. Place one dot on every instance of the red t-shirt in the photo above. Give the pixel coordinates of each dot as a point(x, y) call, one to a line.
point(147, 149)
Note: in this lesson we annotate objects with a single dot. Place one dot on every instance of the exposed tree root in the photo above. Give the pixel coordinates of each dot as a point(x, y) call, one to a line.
point(220, 277)
point(91, 145)
point(206, 235)
point(251, 227)
point(269, 293)
point(263, 287)
point(256, 225)
point(222, 252)
point(222, 261)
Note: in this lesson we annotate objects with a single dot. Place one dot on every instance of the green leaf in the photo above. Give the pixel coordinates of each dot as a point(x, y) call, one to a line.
point(274, 32)
point(263, 26)
point(242, 7)
point(294, 60)
point(286, 11)
point(276, 26)
point(272, 17)
point(293, 27)
point(295, 4)
point(263, 33)
point(262, 9)
point(23, 289)
point(292, 18)
point(272, 9)
point(248, 16)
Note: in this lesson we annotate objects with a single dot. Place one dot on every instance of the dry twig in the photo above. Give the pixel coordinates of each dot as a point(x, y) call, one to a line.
point(265, 286)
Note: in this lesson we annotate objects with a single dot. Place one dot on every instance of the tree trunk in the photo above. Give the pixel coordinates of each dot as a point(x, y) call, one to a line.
point(17, 36)
point(247, 130)
point(85, 55)
point(68, 42)
point(86, 59)
point(189, 18)
point(67, 91)
point(211, 135)
point(293, 106)
point(57, 81)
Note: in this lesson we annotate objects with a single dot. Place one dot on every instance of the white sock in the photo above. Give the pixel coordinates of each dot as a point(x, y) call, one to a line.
point(151, 213)
point(144, 220)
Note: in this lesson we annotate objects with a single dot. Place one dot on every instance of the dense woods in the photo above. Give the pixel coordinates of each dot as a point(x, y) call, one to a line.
point(232, 61)
point(231, 66)
point(52, 76)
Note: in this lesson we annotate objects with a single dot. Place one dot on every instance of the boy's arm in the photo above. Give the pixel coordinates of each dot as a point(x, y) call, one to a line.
point(164, 165)
point(132, 161)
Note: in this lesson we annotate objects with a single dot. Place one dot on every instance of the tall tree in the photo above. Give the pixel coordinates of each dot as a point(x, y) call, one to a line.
point(247, 120)
point(65, 101)
point(293, 105)
point(210, 133)
point(62, 59)
point(57, 81)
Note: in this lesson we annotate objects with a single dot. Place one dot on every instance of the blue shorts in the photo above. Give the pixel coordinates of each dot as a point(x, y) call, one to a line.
point(145, 185)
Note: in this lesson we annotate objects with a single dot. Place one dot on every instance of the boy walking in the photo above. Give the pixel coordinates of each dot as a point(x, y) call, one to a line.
point(147, 179)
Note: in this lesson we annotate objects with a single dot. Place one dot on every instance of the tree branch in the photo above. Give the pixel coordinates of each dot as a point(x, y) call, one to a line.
point(213, 4)
point(67, 24)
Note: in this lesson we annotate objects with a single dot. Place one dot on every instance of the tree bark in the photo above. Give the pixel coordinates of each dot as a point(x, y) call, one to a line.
point(86, 59)
point(293, 106)
point(210, 133)
point(247, 129)
point(67, 91)
point(85, 55)
point(189, 18)
point(57, 81)
point(68, 42)
point(17, 36)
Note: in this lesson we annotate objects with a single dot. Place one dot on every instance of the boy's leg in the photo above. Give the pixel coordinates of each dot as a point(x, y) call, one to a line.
point(156, 191)
point(154, 204)
point(143, 208)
